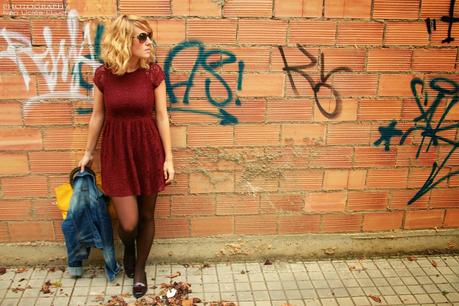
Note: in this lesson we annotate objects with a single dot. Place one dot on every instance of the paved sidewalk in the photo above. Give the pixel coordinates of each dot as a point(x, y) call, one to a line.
point(409, 280)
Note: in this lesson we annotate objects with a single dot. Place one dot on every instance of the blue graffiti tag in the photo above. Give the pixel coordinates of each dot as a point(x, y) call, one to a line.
point(202, 61)
point(444, 88)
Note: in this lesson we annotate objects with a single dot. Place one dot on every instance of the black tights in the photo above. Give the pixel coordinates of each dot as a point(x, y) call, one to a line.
point(136, 218)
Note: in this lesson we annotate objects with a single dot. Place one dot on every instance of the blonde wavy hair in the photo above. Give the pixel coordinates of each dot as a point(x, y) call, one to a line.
point(117, 42)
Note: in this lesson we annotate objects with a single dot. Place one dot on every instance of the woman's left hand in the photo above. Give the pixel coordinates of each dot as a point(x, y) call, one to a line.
point(168, 171)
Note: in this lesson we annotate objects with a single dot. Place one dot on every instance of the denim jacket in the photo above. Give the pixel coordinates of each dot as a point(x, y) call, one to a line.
point(88, 225)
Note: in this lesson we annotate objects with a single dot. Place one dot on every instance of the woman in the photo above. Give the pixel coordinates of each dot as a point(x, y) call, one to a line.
point(136, 155)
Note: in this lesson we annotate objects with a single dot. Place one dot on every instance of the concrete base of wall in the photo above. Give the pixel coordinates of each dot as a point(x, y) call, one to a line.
point(255, 248)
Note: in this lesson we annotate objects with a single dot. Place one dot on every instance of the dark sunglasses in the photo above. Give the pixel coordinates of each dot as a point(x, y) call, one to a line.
point(142, 37)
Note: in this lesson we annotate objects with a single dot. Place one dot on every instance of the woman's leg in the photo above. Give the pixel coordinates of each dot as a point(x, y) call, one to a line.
point(146, 231)
point(127, 212)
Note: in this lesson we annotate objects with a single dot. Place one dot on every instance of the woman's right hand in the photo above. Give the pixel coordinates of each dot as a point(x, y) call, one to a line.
point(85, 161)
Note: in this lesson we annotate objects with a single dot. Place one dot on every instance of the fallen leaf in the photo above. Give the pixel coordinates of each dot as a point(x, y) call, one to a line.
point(434, 263)
point(2, 270)
point(173, 275)
point(45, 287)
point(21, 270)
point(187, 302)
point(22, 279)
point(329, 251)
point(268, 262)
point(375, 298)
point(52, 269)
point(412, 258)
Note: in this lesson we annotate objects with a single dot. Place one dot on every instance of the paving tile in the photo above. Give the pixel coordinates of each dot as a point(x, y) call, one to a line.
point(361, 300)
point(438, 298)
point(331, 302)
point(244, 295)
point(256, 286)
point(423, 298)
point(261, 295)
point(345, 301)
point(407, 299)
point(256, 277)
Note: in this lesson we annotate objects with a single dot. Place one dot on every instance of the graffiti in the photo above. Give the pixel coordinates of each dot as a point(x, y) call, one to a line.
point(446, 89)
point(202, 61)
point(431, 23)
point(48, 61)
point(315, 86)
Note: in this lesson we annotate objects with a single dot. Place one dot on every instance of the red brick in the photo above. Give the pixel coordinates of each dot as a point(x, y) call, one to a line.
point(53, 162)
point(325, 201)
point(303, 134)
point(434, 60)
point(31, 231)
point(338, 57)
point(294, 57)
point(18, 26)
point(373, 157)
point(360, 33)
point(312, 32)
point(212, 31)
point(444, 198)
point(382, 221)
point(287, 157)
point(298, 180)
point(4, 234)
point(348, 8)
point(298, 8)
point(441, 33)
point(237, 204)
point(249, 110)
point(366, 200)
point(58, 28)
point(252, 225)
point(406, 156)
point(47, 113)
point(250, 135)
point(278, 203)
point(436, 8)
point(341, 223)
point(11, 113)
point(379, 110)
point(348, 110)
point(13, 163)
point(13, 87)
point(57, 225)
point(289, 110)
point(211, 182)
point(387, 178)
point(172, 228)
point(28, 186)
point(331, 157)
point(418, 177)
point(299, 224)
point(349, 84)
point(163, 206)
point(46, 209)
point(193, 205)
point(348, 134)
point(210, 135)
point(15, 210)
point(406, 33)
point(336, 179)
point(274, 31)
point(255, 58)
point(424, 219)
point(263, 85)
point(168, 31)
point(451, 218)
point(395, 85)
point(66, 138)
point(386, 59)
point(390, 9)
point(86, 8)
point(146, 8)
point(20, 139)
point(400, 198)
point(357, 179)
point(212, 226)
point(248, 8)
point(252, 183)
point(196, 8)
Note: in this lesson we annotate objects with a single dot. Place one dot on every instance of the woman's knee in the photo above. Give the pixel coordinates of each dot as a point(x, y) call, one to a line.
point(129, 227)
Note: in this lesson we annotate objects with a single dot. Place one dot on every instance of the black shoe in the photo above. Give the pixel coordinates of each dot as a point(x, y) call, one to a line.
point(129, 261)
point(140, 288)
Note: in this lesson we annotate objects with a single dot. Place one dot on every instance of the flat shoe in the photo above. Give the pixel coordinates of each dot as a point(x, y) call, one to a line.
point(140, 288)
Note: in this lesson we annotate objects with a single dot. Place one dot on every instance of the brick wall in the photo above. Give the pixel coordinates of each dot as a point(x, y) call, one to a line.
point(305, 122)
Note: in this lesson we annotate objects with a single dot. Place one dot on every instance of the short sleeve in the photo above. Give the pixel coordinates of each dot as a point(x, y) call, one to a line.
point(99, 77)
point(156, 75)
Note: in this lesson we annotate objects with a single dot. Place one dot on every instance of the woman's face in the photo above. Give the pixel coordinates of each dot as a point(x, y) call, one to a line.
point(141, 43)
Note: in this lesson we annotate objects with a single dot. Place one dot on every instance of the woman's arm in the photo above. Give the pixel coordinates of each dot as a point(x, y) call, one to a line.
point(95, 127)
point(162, 121)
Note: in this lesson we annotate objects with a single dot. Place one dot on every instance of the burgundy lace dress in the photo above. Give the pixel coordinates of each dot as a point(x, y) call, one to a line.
point(132, 154)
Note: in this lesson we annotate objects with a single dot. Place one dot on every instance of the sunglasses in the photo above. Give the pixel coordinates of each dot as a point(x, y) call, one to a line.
point(142, 37)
